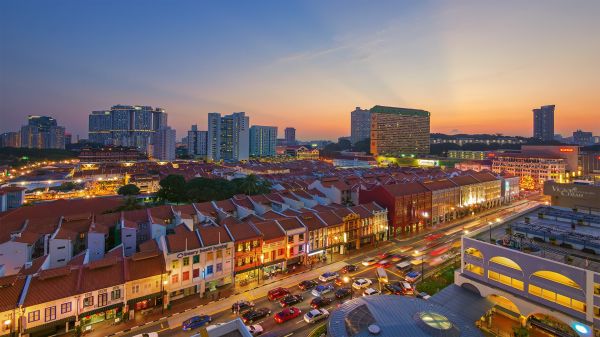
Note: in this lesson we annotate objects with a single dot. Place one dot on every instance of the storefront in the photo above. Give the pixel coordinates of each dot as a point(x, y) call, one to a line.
point(112, 312)
point(273, 267)
point(143, 303)
point(52, 328)
point(247, 276)
point(183, 292)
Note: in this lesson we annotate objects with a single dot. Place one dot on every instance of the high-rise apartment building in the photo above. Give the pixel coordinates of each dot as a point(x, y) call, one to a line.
point(163, 144)
point(197, 142)
point(399, 131)
point(42, 132)
point(543, 123)
point(126, 125)
point(263, 140)
point(290, 136)
point(360, 125)
point(228, 136)
point(10, 139)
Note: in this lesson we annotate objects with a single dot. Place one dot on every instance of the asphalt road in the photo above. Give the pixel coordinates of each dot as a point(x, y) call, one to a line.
point(297, 326)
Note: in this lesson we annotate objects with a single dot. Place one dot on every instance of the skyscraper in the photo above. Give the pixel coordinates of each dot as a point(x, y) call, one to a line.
point(399, 131)
point(583, 138)
point(126, 125)
point(290, 136)
point(163, 144)
point(197, 142)
point(42, 132)
point(543, 123)
point(228, 136)
point(360, 125)
point(263, 141)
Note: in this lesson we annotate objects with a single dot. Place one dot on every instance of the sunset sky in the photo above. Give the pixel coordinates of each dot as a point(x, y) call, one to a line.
point(477, 66)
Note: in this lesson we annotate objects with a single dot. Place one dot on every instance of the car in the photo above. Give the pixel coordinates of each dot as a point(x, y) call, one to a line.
point(307, 284)
point(339, 282)
point(255, 314)
point(361, 283)
point(383, 255)
point(316, 315)
point(287, 314)
point(384, 263)
point(319, 302)
point(370, 292)
point(195, 322)
point(255, 329)
point(398, 257)
point(242, 306)
point(343, 292)
point(349, 268)
point(423, 295)
point(407, 289)
point(147, 334)
point(369, 261)
point(328, 276)
point(393, 289)
point(412, 276)
point(277, 293)
point(290, 300)
point(322, 289)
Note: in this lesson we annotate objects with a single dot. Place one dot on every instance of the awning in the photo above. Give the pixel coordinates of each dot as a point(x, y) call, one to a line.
point(142, 298)
point(102, 309)
point(51, 325)
point(246, 270)
point(270, 263)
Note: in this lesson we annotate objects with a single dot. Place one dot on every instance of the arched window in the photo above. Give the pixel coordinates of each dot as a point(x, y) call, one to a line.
point(474, 252)
point(556, 277)
point(506, 262)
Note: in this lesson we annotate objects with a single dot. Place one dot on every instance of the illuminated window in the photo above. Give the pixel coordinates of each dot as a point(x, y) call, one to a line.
point(596, 289)
point(474, 252)
point(557, 298)
point(504, 279)
point(506, 262)
point(474, 269)
point(596, 311)
point(556, 277)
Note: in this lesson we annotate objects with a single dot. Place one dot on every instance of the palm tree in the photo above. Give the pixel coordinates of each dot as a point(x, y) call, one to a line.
point(250, 185)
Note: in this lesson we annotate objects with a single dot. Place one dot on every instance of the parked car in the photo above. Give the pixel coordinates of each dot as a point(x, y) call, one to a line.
point(423, 295)
point(369, 261)
point(287, 314)
point(412, 276)
point(407, 289)
point(361, 283)
point(195, 322)
point(255, 329)
point(328, 276)
point(343, 292)
point(370, 292)
point(307, 284)
point(242, 306)
point(290, 300)
point(277, 293)
point(255, 314)
point(393, 289)
point(316, 315)
point(349, 268)
point(322, 289)
point(319, 302)
point(339, 282)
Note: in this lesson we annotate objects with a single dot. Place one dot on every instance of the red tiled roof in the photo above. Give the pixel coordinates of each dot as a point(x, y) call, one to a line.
point(440, 184)
point(10, 291)
point(52, 284)
point(311, 220)
point(270, 230)
point(182, 240)
point(289, 224)
point(104, 273)
point(211, 236)
point(144, 264)
point(242, 231)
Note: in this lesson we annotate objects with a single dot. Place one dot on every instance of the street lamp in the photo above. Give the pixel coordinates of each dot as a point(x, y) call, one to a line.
point(422, 264)
point(262, 259)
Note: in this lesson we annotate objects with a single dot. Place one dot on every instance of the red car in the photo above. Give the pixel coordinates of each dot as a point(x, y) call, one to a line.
point(339, 282)
point(287, 314)
point(277, 293)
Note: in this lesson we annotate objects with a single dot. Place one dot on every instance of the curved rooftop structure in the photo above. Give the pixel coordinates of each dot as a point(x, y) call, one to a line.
point(395, 316)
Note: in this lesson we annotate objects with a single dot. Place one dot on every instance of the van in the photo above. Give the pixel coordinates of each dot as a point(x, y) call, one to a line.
point(382, 275)
point(405, 266)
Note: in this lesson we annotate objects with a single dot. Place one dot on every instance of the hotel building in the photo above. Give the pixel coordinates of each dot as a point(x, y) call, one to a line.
point(399, 131)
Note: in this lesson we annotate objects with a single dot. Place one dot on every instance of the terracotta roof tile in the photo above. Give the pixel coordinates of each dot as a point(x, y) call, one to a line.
point(270, 230)
point(10, 291)
point(213, 236)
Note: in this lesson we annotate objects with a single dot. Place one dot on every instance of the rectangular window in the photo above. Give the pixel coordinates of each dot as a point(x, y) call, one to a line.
point(209, 270)
point(596, 311)
point(596, 289)
point(301, 237)
point(240, 247)
point(219, 254)
point(549, 295)
point(102, 299)
point(209, 256)
point(535, 290)
point(174, 278)
point(88, 301)
point(196, 272)
point(65, 307)
point(50, 314)
point(185, 276)
point(115, 294)
point(280, 252)
point(219, 267)
point(255, 244)
point(186, 261)
point(33, 316)
point(577, 305)
point(563, 300)
point(175, 264)
point(248, 247)
point(290, 238)
point(228, 252)
point(196, 259)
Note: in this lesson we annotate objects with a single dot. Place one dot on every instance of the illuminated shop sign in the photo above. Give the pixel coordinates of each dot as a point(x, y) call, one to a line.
point(566, 149)
point(428, 162)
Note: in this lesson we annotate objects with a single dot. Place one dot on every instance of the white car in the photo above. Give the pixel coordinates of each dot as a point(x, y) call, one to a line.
point(147, 334)
point(370, 292)
point(369, 261)
point(361, 283)
point(316, 315)
point(255, 329)
point(328, 276)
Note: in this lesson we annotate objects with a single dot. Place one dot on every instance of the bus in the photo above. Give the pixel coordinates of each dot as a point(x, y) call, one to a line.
point(382, 275)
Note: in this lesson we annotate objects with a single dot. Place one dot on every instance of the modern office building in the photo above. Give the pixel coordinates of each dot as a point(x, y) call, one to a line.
point(263, 140)
point(42, 132)
point(197, 142)
point(163, 144)
point(360, 125)
point(543, 123)
point(290, 136)
point(583, 138)
point(399, 132)
point(539, 268)
point(228, 136)
point(126, 125)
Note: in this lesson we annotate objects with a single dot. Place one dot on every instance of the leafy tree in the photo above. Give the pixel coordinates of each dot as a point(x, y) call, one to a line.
point(527, 182)
point(172, 188)
point(129, 189)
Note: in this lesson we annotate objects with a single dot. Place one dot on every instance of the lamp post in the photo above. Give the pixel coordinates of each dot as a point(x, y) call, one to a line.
point(163, 283)
point(422, 264)
point(262, 259)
